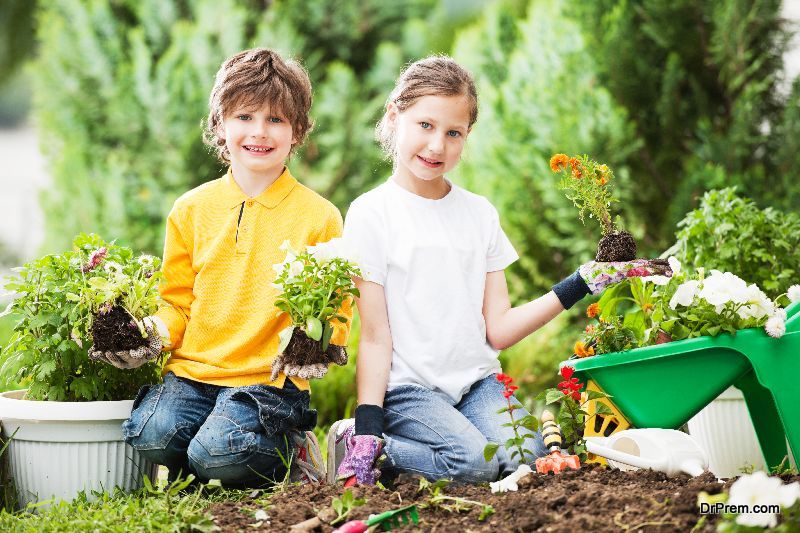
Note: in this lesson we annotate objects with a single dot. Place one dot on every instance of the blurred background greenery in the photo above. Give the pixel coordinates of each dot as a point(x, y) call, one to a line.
point(678, 96)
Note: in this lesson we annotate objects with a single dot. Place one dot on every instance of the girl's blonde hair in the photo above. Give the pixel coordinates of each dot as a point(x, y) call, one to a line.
point(436, 75)
point(254, 78)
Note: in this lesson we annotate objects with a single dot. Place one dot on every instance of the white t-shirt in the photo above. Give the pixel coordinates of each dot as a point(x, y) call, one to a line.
point(431, 257)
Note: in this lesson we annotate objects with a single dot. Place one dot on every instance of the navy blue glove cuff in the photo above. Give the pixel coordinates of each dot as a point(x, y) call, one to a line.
point(369, 420)
point(571, 290)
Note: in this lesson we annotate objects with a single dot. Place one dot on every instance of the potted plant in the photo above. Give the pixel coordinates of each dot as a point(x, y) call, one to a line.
point(314, 286)
point(73, 407)
point(588, 184)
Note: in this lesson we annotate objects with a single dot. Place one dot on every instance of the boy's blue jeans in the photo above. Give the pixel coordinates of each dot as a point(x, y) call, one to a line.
point(427, 434)
point(237, 435)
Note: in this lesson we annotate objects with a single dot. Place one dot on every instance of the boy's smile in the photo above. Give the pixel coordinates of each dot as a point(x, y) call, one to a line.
point(259, 141)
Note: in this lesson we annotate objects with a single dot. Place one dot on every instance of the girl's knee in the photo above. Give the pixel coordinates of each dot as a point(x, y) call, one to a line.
point(465, 462)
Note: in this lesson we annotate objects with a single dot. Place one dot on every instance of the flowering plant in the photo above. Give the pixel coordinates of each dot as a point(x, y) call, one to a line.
point(688, 306)
point(587, 183)
point(572, 414)
point(528, 422)
point(55, 298)
point(314, 284)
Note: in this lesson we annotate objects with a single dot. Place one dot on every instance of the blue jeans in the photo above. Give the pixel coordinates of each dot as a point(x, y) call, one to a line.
point(426, 433)
point(237, 435)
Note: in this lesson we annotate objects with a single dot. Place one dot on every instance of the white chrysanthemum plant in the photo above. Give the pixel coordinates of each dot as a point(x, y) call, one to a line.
point(313, 285)
point(687, 306)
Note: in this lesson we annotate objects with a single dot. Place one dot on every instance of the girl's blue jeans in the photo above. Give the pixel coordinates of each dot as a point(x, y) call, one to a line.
point(427, 433)
point(237, 435)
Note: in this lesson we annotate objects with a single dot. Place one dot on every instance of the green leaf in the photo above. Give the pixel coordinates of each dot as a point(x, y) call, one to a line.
point(603, 409)
point(490, 450)
point(314, 328)
point(553, 396)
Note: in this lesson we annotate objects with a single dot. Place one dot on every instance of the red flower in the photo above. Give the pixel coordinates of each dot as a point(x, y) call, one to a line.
point(504, 379)
point(573, 380)
point(507, 394)
point(567, 371)
point(576, 396)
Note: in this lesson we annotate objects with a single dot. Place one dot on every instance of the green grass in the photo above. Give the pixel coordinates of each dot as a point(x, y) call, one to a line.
point(161, 508)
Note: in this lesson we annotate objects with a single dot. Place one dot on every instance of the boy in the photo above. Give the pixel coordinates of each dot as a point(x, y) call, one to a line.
point(217, 414)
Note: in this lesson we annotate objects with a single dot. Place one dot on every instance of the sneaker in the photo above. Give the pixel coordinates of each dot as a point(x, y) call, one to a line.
point(337, 437)
point(307, 465)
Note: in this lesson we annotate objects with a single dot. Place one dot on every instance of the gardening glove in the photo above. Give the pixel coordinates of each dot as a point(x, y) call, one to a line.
point(363, 447)
point(593, 277)
point(149, 349)
point(308, 365)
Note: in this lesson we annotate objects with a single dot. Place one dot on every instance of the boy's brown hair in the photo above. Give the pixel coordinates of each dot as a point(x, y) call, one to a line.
point(436, 75)
point(254, 78)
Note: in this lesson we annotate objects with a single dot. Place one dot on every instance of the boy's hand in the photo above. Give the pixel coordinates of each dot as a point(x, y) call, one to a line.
point(598, 276)
point(126, 359)
point(306, 369)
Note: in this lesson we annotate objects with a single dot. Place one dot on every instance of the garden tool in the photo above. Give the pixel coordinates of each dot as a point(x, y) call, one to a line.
point(556, 460)
point(387, 521)
point(666, 450)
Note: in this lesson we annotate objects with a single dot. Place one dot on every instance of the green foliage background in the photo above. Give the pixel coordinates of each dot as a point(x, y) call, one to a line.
point(677, 96)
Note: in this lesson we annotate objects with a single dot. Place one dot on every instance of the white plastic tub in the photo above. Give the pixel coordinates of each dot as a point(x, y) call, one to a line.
point(724, 430)
point(62, 448)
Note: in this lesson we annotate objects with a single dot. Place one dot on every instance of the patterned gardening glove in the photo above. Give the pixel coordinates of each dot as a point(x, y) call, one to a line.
point(361, 458)
point(593, 277)
point(134, 358)
point(302, 358)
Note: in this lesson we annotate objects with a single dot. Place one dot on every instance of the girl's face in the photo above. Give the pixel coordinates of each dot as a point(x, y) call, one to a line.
point(430, 136)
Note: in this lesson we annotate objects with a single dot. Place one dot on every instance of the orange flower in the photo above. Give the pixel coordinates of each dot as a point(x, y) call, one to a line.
point(558, 162)
point(577, 169)
point(581, 350)
point(601, 181)
point(593, 310)
point(590, 329)
point(647, 307)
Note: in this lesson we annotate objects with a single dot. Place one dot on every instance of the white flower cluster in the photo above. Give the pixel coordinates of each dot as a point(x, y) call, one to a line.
point(726, 290)
point(323, 252)
point(759, 489)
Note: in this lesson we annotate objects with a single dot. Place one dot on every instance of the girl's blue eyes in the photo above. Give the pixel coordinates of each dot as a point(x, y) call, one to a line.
point(451, 133)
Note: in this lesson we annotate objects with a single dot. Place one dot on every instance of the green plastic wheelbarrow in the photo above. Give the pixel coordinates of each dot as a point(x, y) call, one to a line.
point(663, 386)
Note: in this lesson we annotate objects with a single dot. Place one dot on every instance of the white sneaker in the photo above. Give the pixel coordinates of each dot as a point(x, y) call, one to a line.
point(336, 445)
point(307, 465)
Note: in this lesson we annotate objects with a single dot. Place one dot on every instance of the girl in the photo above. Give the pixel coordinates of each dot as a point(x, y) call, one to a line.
point(434, 303)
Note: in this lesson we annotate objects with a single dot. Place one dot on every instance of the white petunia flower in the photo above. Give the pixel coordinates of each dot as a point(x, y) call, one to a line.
point(794, 293)
point(758, 304)
point(759, 489)
point(674, 265)
point(775, 327)
point(337, 247)
point(685, 294)
point(657, 280)
point(723, 287)
point(295, 268)
point(112, 267)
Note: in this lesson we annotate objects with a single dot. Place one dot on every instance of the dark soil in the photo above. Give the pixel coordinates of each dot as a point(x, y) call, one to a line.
point(591, 499)
point(616, 246)
point(116, 331)
point(303, 350)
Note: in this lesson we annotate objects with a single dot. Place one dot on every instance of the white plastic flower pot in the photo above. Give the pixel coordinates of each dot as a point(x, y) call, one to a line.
point(724, 430)
point(62, 448)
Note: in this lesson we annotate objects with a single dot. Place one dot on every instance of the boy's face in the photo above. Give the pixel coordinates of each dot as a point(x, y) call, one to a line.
point(258, 140)
point(430, 135)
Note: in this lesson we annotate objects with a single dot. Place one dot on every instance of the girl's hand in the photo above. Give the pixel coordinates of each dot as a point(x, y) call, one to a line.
point(361, 458)
point(598, 276)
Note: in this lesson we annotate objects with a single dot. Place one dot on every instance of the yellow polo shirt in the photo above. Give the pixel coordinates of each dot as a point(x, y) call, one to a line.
point(218, 255)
